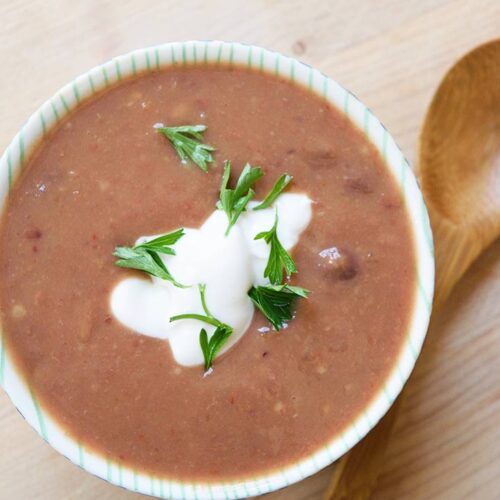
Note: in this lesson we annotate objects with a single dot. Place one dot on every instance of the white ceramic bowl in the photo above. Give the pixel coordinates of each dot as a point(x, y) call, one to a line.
point(200, 53)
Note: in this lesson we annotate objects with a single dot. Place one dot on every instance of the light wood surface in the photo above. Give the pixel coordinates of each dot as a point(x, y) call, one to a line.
point(392, 54)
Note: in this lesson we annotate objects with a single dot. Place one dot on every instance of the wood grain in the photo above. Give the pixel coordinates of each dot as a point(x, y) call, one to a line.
point(392, 54)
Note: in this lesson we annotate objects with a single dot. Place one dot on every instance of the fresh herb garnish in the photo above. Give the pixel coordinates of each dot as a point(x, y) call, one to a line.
point(187, 141)
point(161, 243)
point(222, 332)
point(234, 201)
point(279, 258)
point(144, 257)
point(211, 347)
point(278, 187)
point(276, 301)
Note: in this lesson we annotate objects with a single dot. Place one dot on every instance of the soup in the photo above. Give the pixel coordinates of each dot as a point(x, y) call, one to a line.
point(104, 176)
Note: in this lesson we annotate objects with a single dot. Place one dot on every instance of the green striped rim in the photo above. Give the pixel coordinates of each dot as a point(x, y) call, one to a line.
point(105, 75)
point(346, 104)
point(9, 167)
point(344, 441)
point(76, 93)
point(118, 70)
point(43, 124)
point(426, 225)
point(356, 431)
point(423, 294)
point(157, 58)
point(269, 484)
point(64, 103)
point(402, 181)
point(413, 349)
point(257, 488)
point(219, 53)
point(81, 456)
point(400, 372)
point(368, 419)
point(54, 111)
point(245, 489)
point(22, 152)
point(295, 71)
point(91, 83)
point(39, 416)
point(387, 394)
point(366, 123)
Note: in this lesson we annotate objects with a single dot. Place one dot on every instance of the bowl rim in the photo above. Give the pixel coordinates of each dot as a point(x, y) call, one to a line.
point(200, 53)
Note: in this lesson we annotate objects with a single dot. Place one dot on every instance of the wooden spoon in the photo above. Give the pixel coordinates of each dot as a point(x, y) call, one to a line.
point(459, 171)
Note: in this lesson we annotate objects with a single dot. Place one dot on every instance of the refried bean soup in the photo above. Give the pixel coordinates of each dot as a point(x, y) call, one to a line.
point(206, 273)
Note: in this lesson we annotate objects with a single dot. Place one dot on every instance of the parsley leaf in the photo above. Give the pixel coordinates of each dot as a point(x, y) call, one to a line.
point(278, 187)
point(222, 332)
point(161, 244)
point(144, 257)
point(211, 347)
point(187, 141)
point(234, 201)
point(279, 258)
point(276, 302)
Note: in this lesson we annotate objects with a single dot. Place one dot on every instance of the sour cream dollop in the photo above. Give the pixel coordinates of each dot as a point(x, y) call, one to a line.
point(228, 265)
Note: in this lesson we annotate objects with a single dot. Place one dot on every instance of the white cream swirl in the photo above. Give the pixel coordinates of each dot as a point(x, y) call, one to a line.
point(228, 265)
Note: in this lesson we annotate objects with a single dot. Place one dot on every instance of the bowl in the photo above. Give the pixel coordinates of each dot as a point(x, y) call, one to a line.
point(259, 59)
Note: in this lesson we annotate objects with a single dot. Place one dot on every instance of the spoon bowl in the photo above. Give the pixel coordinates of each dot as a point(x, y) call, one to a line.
point(460, 142)
point(459, 167)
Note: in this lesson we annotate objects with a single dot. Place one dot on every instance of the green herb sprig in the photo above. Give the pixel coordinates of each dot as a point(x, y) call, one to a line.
point(187, 141)
point(211, 347)
point(277, 189)
point(276, 302)
point(234, 201)
point(145, 256)
point(279, 258)
point(222, 332)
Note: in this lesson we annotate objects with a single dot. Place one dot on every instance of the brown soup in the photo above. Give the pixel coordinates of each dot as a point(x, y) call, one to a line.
point(103, 177)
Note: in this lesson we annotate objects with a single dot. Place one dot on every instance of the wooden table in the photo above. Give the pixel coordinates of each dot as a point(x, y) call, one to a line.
point(392, 54)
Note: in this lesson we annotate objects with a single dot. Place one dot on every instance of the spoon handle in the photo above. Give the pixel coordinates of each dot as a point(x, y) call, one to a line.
point(356, 473)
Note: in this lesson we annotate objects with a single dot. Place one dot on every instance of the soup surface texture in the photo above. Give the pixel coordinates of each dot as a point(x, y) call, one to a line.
point(104, 176)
